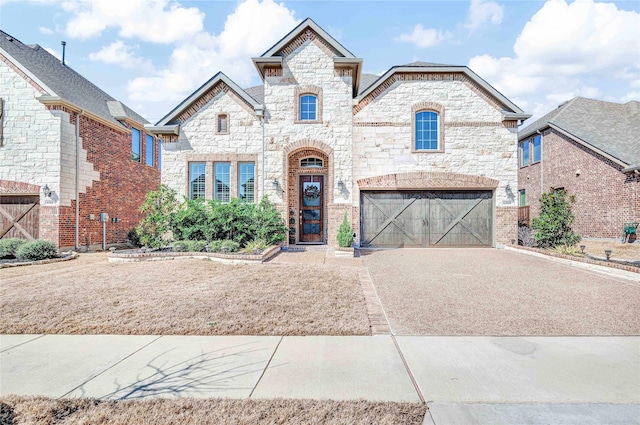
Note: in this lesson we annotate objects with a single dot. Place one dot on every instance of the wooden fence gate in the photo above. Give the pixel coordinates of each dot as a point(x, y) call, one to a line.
point(426, 218)
point(19, 216)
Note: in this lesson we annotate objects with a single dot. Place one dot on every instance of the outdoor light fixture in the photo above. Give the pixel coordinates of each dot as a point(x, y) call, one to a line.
point(607, 252)
point(340, 185)
point(274, 184)
point(582, 247)
point(46, 191)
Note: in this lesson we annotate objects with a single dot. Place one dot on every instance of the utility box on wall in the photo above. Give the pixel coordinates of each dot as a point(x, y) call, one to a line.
point(104, 217)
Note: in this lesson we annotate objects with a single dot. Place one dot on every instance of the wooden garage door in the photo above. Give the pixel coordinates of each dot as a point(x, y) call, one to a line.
point(19, 216)
point(424, 219)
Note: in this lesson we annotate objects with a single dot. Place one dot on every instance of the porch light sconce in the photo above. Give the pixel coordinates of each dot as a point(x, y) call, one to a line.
point(46, 191)
point(340, 185)
point(274, 184)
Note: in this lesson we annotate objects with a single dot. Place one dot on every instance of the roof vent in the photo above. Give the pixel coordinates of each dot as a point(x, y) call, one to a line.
point(64, 48)
point(9, 38)
point(562, 104)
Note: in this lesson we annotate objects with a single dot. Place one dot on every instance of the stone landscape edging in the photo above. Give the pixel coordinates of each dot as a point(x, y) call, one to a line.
point(629, 272)
point(129, 256)
point(72, 256)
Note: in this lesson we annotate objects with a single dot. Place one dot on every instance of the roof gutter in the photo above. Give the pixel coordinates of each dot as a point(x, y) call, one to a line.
point(56, 100)
point(632, 168)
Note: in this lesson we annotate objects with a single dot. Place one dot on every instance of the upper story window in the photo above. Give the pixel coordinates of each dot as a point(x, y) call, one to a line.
point(308, 107)
point(222, 126)
point(135, 144)
point(197, 180)
point(426, 130)
point(159, 154)
point(149, 150)
point(311, 163)
point(531, 151)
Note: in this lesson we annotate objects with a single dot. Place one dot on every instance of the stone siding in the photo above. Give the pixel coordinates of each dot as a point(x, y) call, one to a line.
point(39, 149)
point(606, 198)
point(199, 142)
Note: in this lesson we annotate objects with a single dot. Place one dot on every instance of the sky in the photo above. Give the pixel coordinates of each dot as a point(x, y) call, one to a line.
point(152, 54)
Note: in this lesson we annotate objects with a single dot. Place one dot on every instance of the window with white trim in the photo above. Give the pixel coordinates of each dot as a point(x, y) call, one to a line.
point(222, 181)
point(197, 180)
point(426, 131)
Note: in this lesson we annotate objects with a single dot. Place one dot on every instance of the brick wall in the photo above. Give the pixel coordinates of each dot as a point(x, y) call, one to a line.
point(606, 198)
point(120, 191)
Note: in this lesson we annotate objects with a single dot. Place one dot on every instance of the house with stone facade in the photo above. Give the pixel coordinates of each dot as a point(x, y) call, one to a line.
point(68, 152)
point(590, 148)
point(424, 155)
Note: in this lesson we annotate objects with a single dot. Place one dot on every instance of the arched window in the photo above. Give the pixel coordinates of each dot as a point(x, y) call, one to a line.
point(426, 130)
point(223, 124)
point(311, 163)
point(308, 107)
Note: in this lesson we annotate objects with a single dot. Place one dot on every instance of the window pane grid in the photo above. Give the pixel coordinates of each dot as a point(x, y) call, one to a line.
point(197, 179)
point(308, 108)
point(149, 151)
point(246, 181)
point(222, 191)
point(426, 131)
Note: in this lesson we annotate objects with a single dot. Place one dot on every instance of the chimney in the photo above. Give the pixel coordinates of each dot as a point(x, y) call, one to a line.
point(64, 45)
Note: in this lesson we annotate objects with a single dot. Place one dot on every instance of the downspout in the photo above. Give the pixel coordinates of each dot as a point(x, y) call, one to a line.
point(260, 114)
point(77, 217)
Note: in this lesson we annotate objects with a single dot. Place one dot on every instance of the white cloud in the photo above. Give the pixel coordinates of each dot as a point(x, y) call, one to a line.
point(118, 53)
point(564, 51)
point(54, 53)
point(424, 37)
point(633, 95)
point(157, 21)
point(482, 12)
point(251, 29)
point(46, 31)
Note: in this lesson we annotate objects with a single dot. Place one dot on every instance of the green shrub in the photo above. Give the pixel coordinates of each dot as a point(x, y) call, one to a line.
point(8, 247)
point(133, 238)
point(190, 221)
point(268, 225)
point(229, 246)
point(554, 223)
point(215, 246)
point(568, 250)
point(37, 250)
point(255, 246)
point(190, 246)
point(345, 234)
point(155, 229)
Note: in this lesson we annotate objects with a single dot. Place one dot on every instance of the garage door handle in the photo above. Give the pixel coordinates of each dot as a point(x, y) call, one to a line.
point(425, 222)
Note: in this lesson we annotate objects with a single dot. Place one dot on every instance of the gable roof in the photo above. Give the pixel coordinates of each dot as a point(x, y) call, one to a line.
point(201, 92)
point(61, 82)
point(606, 127)
point(307, 29)
point(509, 109)
point(276, 49)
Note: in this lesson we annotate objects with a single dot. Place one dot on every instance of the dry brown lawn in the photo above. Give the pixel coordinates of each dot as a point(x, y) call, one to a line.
point(181, 297)
point(622, 251)
point(40, 410)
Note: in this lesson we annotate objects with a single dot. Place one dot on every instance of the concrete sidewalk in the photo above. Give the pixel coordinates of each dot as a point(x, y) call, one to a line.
point(463, 379)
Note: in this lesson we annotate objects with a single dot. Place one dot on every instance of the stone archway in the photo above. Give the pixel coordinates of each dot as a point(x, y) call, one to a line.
point(299, 174)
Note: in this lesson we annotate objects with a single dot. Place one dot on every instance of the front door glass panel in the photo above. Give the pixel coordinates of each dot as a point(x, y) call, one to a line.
point(311, 208)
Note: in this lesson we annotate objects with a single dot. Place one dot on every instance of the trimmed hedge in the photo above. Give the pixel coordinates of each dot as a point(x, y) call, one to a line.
point(37, 250)
point(8, 247)
point(189, 246)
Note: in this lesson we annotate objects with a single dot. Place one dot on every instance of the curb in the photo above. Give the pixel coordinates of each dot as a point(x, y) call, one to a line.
point(130, 257)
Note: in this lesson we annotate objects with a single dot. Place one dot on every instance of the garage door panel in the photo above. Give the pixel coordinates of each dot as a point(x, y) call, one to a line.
point(416, 219)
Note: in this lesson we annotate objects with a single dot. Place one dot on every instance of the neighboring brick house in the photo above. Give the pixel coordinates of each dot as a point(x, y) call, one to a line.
point(50, 114)
point(591, 148)
point(424, 155)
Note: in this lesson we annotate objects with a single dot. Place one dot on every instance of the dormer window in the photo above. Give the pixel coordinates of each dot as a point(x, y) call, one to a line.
point(311, 163)
point(223, 124)
point(308, 107)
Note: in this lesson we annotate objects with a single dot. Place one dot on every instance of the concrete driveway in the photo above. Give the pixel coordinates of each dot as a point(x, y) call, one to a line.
point(499, 292)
